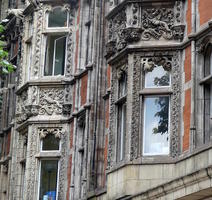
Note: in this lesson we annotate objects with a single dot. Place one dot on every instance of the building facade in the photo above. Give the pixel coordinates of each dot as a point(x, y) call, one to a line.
point(110, 100)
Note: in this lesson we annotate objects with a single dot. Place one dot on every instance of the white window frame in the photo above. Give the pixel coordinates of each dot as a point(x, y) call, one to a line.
point(144, 123)
point(45, 51)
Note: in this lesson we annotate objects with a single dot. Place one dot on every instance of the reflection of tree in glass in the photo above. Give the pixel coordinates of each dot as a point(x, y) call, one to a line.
point(163, 81)
point(162, 114)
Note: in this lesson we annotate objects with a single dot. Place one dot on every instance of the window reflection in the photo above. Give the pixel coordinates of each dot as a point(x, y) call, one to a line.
point(157, 77)
point(57, 18)
point(48, 179)
point(156, 125)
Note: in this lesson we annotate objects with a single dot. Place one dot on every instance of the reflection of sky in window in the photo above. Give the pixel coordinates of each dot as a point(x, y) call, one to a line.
point(157, 72)
point(154, 143)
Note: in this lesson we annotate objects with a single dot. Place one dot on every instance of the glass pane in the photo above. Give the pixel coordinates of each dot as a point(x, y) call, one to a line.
point(50, 143)
point(48, 179)
point(157, 77)
point(123, 85)
point(156, 125)
point(55, 55)
point(121, 130)
point(57, 18)
point(60, 46)
point(49, 55)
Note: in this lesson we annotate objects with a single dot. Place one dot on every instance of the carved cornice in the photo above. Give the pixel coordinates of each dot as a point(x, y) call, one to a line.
point(139, 21)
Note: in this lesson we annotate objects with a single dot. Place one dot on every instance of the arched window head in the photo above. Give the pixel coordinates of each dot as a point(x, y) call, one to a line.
point(58, 17)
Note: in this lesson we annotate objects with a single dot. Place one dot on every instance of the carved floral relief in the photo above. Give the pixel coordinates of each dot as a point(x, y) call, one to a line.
point(137, 21)
point(51, 100)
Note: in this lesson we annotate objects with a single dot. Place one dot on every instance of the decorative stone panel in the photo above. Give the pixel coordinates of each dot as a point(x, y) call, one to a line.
point(50, 101)
point(116, 72)
point(144, 21)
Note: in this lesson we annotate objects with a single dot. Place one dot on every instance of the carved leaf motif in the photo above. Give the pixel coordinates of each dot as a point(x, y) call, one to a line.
point(51, 101)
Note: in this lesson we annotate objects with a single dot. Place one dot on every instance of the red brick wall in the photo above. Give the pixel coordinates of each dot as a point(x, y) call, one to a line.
point(83, 90)
point(205, 10)
point(8, 143)
point(188, 17)
point(187, 64)
point(108, 76)
point(186, 119)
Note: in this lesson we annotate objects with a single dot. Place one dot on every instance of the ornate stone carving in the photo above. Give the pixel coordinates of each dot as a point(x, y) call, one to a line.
point(69, 63)
point(21, 108)
point(31, 164)
point(51, 100)
point(116, 28)
point(175, 105)
point(149, 64)
point(121, 67)
point(159, 22)
point(121, 71)
point(40, 20)
point(203, 43)
point(57, 132)
point(140, 21)
point(134, 147)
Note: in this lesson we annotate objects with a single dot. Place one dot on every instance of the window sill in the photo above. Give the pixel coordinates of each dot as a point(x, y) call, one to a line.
point(121, 100)
point(155, 91)
point(206, 80)
point(56, 31)
point(49, 154)
point(29, 40)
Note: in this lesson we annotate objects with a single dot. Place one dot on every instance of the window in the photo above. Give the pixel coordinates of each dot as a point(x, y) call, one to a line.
point(156, 106)
point(55, 55)
point(55, 52)
point(207, 82)
point(48, 179)
point(58, 18)
point(50, 143)
point(49, 163)
point(121, 118)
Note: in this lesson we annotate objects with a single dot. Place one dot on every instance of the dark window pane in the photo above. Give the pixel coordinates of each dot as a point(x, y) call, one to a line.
point(121, 130)
point(57, 18)
point(156, 125)
point(48, 179)
point(50, 143)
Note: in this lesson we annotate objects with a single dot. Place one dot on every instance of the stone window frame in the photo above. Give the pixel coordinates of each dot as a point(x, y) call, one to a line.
point(174, 92)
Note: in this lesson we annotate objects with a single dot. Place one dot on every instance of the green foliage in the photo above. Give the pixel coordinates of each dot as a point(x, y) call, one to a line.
point(5, 66)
